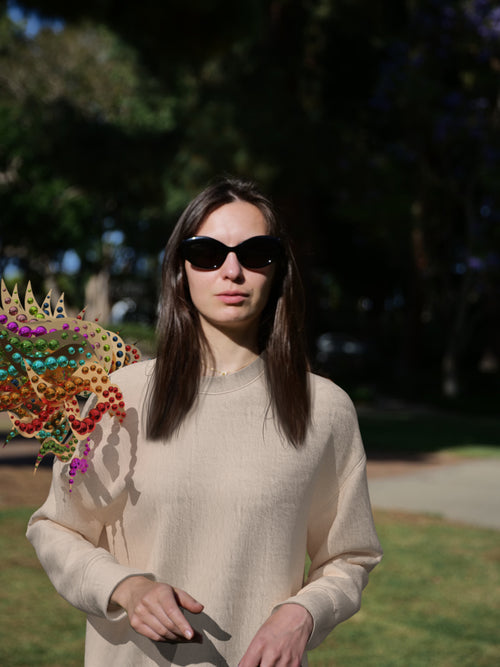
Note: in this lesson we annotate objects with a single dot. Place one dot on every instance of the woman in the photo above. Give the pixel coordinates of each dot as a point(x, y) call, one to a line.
point(185, 541)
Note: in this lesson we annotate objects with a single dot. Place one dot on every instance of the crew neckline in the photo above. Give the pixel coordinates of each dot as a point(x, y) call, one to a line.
point(221, 384)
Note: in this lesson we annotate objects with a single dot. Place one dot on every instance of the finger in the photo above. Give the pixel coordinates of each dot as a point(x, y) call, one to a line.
point(187, 601)
point(161, 614)
point(158, 626)
point(160, 611)
point(252, 657)
point(162, 634)
point(150, 627)
point(169, 622)
point(174, 619)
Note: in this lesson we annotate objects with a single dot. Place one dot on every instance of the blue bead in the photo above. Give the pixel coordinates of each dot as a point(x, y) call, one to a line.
point(51, 363)
point(38, 366)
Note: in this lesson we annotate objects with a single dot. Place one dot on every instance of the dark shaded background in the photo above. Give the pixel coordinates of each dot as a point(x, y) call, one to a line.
point(374, 128)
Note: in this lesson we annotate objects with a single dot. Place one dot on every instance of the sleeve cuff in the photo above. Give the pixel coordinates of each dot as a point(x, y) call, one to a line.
point(322, 611)
point(102, 575)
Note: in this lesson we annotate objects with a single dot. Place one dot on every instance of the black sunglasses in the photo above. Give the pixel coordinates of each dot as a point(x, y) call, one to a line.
point(204, 252)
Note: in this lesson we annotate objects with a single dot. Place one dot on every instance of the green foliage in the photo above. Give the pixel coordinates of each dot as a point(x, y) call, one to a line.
point(79, 118)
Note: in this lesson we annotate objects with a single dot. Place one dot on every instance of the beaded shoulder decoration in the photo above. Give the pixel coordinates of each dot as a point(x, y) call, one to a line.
point(48, 361)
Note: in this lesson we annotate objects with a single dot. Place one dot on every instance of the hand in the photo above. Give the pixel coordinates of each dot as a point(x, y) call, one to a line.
point(282, 640)
point(154, 609)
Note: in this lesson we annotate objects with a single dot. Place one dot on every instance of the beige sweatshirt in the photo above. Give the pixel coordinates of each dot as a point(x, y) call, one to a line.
point(226, 510)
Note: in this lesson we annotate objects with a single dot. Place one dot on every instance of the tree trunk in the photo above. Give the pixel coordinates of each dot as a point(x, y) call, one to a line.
point(97, 298)
point(457, 339)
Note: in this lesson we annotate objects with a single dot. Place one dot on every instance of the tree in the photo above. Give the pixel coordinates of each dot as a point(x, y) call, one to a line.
point(378, 138)
point(79, 120)
point(436, 114)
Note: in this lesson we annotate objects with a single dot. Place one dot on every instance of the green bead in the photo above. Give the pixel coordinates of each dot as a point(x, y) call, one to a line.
point(27, 346)
point(41, 345)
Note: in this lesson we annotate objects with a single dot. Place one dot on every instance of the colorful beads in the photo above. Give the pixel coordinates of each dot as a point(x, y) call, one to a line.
point(46, 360)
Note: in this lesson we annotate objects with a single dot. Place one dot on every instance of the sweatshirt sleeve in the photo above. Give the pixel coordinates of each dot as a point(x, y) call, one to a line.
point(69, 537)
point(342, 542)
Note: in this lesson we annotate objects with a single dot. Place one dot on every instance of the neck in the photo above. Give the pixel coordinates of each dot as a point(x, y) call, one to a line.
point(229, 351)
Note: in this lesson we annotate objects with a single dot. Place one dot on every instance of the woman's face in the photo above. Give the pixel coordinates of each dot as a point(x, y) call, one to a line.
point(231, 297)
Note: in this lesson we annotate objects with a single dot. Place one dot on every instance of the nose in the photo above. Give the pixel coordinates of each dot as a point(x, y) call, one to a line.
point(232, 268)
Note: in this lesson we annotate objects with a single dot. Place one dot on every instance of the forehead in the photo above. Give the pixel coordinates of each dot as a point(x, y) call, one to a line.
point(234, 222)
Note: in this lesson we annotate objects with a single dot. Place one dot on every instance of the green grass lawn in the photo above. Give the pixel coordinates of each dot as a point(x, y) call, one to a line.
point(434, 600)
point(37, 627)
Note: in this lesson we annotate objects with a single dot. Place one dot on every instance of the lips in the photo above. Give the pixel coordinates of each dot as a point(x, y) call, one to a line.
point(232, 298)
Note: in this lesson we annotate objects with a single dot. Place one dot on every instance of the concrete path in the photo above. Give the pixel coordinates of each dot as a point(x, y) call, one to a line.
point(467, 491)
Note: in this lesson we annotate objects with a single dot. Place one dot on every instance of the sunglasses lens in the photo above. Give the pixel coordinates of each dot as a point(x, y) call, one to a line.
point(204, 253)
point(254, 253)
point(259, 251)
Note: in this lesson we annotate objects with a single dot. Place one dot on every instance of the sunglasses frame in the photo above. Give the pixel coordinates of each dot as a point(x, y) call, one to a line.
point(237, 249)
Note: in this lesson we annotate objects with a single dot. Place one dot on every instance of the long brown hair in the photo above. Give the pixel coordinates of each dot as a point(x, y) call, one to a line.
point(182, 345)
